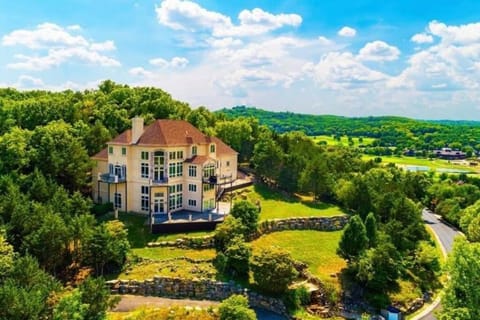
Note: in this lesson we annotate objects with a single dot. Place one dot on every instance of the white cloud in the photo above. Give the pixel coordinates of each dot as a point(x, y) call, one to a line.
point(347, 32)
point(224, 42)
point(53, 45)
point(378, 51)
point(451, 65)
point(56, 57)
point(463, 34)
point(108, 45)
point(140, 72)
point(422, 38)
point(190, 16)
point(26, 81)
point(44, 36)
point(338, 70)
point(175, 62)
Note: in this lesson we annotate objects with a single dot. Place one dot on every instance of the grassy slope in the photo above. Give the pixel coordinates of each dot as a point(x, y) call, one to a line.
point(277, 205)
point(317, 249)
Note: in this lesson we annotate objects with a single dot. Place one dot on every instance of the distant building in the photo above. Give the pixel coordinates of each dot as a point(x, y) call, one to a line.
point(166, 167)
point(449, 154)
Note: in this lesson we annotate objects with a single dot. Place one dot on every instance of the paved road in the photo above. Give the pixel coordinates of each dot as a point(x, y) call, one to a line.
point(446, 234)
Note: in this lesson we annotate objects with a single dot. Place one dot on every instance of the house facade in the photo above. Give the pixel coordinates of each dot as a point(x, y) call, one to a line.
point(166, 167)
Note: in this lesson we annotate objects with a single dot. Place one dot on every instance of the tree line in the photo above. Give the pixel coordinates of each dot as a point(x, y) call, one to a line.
point(388, 131)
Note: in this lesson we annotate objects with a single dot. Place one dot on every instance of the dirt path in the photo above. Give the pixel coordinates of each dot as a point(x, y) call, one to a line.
point(131, 302)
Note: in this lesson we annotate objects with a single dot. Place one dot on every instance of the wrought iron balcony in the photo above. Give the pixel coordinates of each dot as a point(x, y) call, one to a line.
point(159, 181)
point(210, 179)
point(111, 178)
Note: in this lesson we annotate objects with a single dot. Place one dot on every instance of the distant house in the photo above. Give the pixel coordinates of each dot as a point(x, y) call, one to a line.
point(449, 154)
point(166, 167)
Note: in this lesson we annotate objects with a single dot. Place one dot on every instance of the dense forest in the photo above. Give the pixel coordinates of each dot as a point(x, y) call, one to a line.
point(55, 250)
point(403, 133)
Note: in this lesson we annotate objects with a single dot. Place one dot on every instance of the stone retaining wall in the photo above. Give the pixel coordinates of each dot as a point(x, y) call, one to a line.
point(199, 289)
point(305, 223)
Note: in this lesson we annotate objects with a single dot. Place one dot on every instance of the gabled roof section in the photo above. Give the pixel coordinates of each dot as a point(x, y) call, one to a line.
point(199, 160)
point(172, 133)
point(223, 148)
point(102, 155)
point(123, 138)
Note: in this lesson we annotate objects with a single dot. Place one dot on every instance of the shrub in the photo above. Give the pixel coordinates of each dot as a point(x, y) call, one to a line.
point(101, 209)
point(295, 298)
point(238, 255)
point(236, 308)
point(224, 232)
point(248, 214)
point(273, 270)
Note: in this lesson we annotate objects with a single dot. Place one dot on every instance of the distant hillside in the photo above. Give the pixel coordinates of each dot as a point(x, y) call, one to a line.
point(390, 130)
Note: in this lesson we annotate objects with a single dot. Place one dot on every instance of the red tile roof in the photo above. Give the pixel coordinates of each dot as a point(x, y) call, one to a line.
point(102, 155)
point(123, 138)
point(222, 147)
point(172, 133)
point(198, 160)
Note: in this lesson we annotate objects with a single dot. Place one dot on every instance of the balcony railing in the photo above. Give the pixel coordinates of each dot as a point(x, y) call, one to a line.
point(160, 181)
point(111, 178)
point(210, 179)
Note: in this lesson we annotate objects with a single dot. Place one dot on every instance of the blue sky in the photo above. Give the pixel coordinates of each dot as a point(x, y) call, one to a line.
point(412, 58)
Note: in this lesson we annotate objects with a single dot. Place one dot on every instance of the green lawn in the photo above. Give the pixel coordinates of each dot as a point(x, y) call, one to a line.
point(343, 141)
point(432, 164)
point(162, 253)
point(317, 249)
point(276, 205)
point(169, 268)
point(139, 233)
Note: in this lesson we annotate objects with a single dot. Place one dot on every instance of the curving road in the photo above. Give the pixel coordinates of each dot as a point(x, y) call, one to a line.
point(445, 234)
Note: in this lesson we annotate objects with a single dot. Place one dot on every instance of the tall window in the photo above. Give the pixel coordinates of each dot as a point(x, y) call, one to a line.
point(144, 155)
point(179, 154)
point(209, 170)
point(194, 150)
point(175, 197)
point(171, 155)
point(192, 187)
point(110, 150)
point(124, 151)
point(144, 198)
point(192, 171)
point(212, 148)
point(175, 169)
point(172, 170)
point(208, 187)
point(117, 200)
point(144, 169)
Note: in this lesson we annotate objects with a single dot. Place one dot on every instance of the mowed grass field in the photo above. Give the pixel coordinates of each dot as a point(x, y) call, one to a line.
point(330, 140)
point(433, 164)
point(276, 205)
point(315, 248)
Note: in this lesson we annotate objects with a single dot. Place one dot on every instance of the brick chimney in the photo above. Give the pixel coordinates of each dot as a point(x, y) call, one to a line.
point(137, 129)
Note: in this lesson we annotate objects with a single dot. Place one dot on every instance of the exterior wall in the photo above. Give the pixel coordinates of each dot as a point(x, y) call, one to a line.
point(228, 166)
point(101, 166)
